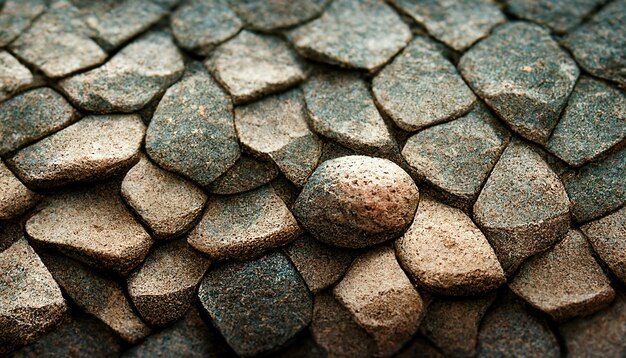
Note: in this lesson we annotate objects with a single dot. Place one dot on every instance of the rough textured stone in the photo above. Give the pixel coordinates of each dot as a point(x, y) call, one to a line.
point(31, 116)
point(362, 34)
point(94, 148)
point(421, 87)
point(163, 287)
point(357, 201)
point(167, 203)
point(523, 208)
point(276, 128)
point(268, 15)
point(302, 347)
point(16, 16)
point(131, 79)
point(250, 66)
point(285, 190)
point(30, 301)
point(92, 225)
point(381, 299)
point(420, 347)
point(522, 73)
point(558, 15)
point(13, 75)
point(15, 198)
point(246, 174)
point(192, 130)
point(10, 232)
point(244, 225)
point(606, 235)
point(257, 305)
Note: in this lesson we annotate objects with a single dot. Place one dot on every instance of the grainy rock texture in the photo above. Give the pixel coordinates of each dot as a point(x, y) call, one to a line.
point(13, 76)
point(16, 16)
point(420, 347)
point(15, 198)
point(246, 174)
point(606, 235)
point(268, 15)
point(558, 15)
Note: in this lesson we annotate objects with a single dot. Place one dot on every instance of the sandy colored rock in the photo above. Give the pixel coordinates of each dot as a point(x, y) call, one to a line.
point(94, 148)
point(357, 201)
point(13, 75)
point(268, 15)
point(606, 235)
point(16, 16)
point(558, 15)
point(246, 174)
point(15, 198)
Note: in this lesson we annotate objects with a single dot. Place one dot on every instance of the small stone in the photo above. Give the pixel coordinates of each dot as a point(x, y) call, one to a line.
point(559, 15)
point(268, 15)
point(192, 131)
point(162, 288)
point(15, 198)
point(361, 34)
point(94, 148)
point(276, 128)
point(257, 305)
point(16, 16)
point(332, 150)
point(246, 174)
point(135, 76)
point(523, 74)
point(606, 235)
point(167, 203)
point(243, 226)
point(357, 201)
point(14, 77)
point(92, 225)
point(523, 208)
point(31, 302)
point(381, 299)
point(31, 116)
point(285, 190)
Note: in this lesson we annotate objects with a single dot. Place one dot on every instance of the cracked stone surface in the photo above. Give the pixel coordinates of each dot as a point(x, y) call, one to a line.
point(246, 174)
point(14, 77)
point(559, 15)
point(606, 236)
point(268, 15)
point(15, 197)
point(16, 16)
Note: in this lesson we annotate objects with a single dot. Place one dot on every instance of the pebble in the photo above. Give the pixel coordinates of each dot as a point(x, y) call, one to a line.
point(257, 305)
point(270, 15)
point(246, 174)
point(606, 236)
point(15, 198)
point(523, 74)
point(559, 15)
point(14, 77)
point(16, 16)
point(357, 201)
point(94, 148)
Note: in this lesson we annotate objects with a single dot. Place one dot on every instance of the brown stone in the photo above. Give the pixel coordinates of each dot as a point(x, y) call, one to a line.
point(15, 198)
point(606, 235)
point(16, 16)
point(420, 347)
point(14, 77)
point(246, 174)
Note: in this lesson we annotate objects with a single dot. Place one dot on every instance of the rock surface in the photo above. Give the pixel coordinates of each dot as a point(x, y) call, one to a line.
point(15, 198)
point(606, 235)
point(268, 15)
point(16, 16)
point(13, 75)
point(246, 174)
point(559, 15)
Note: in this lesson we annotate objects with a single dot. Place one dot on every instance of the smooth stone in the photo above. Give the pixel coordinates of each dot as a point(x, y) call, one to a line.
point(15, 197)
point(269, 15)
point(16, 16)
point(559, 15)
point(246, 174)
point(606, 236)
point(14, 77)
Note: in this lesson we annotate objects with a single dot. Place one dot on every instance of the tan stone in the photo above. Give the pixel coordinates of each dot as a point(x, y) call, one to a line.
point(15, 197)
point(607, 236)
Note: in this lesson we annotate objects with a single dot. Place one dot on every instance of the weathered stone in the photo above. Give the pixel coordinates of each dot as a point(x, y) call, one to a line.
point(15, 198)
point(285, 190)
point(257, 305)
point(302, 347)
point(94, 148)
point(246, 174)
point(357, 201)
point(420, 347)
point(276, 128)
point(606, 235)
point(381, 299)
point(92, 225)
point(131, 79)
point(268, 15)
point(523, 207)
point(558, 15)
point(250, 66)
point(362, 34)
point(10, 232)
point(13, 75)
point(192, 130)
point(16, 16)
point(523, 74)
point(244, 225)
point(167, 203)
point(30, 301)
point(332, 150)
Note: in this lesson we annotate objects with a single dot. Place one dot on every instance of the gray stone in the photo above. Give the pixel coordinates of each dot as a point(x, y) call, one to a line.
point(14, 77)
point(15, 198)
point(523, 74)
point(16, 16)
point(246, 174)
point(268, 15)
point(285, 190)
point(606, 235)
point(559, 15)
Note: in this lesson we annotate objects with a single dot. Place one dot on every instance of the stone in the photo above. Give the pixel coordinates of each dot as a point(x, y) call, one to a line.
point(201, 25)
point(275, 128)
point(359, 34)
point(92, 225)
point(357, 201)
point(16, 16)
point(285, 190)
point(419, 347)
point(167, 203)
point(31, 302)
point(94, 148)
point(269, 15)
point(246, 174)
point(523, 207)
point(97, 295)
point(15, 198)
point(559, 15)
point(32, 115)
point(332, 150)
point(192, 131)
point(319, 265)
point(420, 87)
point(14, 77)
point(131, 79)
point(10, 232)
point(163, 287)
point(523, 75)
point(302, 347)
point(381, 299)
point(606, 236)
point(256, 305)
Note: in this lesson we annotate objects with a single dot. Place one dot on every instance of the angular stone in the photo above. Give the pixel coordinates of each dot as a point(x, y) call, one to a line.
point(133, 77)
point(523, 207)
point(421, 87)
point(361, 34)
point(523, 74)
point(91, 225)
point(31, 116)
point(94, 148)
point(381, 299)
point(558, 15)
point(268, 15)
point(30, 301)
point(276, 128)
point(192, 131)
point(16, 16)
point(167, 203)
point(257, 305)
point(15, 198)
point(246, 174)
point(244, 225)
point(13, 76)
point(606, 235)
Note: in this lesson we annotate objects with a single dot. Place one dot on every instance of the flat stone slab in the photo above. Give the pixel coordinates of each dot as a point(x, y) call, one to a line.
point(15, 197)
point(16, 16)
point(523, 74)
point(357, 201)
point(94, 148)
point(133, 77)
point(606, 235)
point(250, 66)
point(246, 174)
point(13, 75)
point(360, 34)
point(167, 203)
point(257, 305)
point(559, 15)
point(192, 131)
point(268, 15)
point(523, 207)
